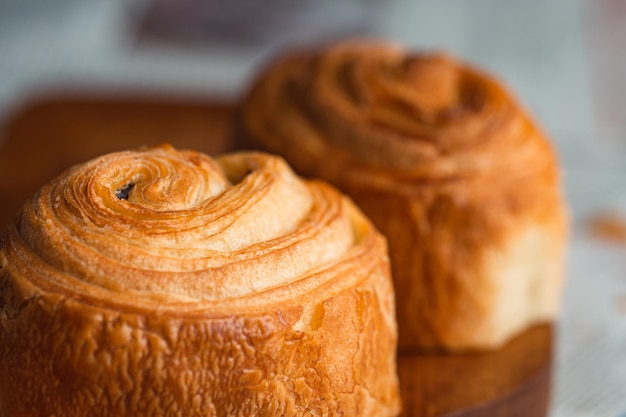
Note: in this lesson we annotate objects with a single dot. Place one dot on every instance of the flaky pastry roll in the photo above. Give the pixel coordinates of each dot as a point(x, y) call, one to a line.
point(159, 282)
point(446, 164)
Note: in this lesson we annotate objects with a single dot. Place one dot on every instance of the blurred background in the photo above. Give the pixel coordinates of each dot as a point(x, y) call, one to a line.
point(564, 59)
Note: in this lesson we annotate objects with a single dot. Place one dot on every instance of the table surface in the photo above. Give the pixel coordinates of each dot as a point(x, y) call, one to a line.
point(563, 58)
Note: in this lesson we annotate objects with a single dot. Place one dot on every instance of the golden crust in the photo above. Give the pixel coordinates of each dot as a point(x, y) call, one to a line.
point(445, 163)
point(163, 283)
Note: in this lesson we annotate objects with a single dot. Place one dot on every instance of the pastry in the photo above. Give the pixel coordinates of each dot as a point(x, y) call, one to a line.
point(446, 164)
point(158, 282)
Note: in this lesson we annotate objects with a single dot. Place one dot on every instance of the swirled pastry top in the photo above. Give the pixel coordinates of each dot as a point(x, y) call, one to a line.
point(374, 104)
point(159, 226)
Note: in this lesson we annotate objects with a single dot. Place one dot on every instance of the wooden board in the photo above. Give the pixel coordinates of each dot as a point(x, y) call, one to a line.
point(50, 134)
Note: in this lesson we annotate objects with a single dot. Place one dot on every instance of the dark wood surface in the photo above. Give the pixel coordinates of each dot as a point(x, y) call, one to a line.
point(51, 133)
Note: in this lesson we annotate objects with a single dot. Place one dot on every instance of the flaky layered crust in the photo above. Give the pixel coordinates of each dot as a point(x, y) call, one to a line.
point(164, 283)
point(445, 163)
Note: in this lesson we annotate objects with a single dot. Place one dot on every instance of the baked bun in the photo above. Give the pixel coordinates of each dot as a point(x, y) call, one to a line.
point(163, 283)
point(445, 163)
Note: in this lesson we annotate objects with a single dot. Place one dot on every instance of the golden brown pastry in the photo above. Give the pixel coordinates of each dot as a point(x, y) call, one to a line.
point(164, 283)
point(445, 163)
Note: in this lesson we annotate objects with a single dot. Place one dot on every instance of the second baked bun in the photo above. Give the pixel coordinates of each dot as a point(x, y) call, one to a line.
point(165, 283)
point(445, 162)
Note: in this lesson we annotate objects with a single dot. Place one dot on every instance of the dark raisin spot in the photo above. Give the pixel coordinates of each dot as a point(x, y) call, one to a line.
point(122, 193)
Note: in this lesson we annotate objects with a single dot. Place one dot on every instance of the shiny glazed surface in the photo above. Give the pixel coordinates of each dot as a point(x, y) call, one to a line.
point(160, 282)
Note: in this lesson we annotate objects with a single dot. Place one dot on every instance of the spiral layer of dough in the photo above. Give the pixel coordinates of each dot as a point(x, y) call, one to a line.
point(445, 163)
point(160, 282)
